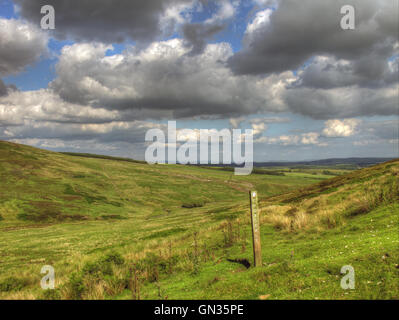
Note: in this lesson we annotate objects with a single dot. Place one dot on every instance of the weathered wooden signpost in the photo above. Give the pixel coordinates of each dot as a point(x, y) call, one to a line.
point(253, 196)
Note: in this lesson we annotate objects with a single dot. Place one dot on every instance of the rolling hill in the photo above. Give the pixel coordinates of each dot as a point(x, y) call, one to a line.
point(355, 162)
point(117, 229)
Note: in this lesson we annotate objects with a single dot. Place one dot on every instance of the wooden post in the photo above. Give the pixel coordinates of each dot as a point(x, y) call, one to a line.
point(253, 196)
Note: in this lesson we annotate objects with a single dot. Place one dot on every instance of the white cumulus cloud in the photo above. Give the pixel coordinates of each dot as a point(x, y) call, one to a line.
point(340, 128)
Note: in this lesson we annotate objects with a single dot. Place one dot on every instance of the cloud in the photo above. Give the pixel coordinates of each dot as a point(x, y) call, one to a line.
point(340, 128)
point(164, 81)
point(41, 118)
point(295, 58)
point(3, 88)
point(298, 30)
point(21, 44)
point(269, 120)
point(385, 129)
point(261, 20)
point(342, 102)
point(72, 145)
point(117, 148)
point(6, 89)
point(258, 129)
point(309, 138)
point(226, 10)
point(326, 72)
point(378, 134)
point(110, 21)
point(266, 3)
point(197, 34)
point(260, 125)
point(44, 105)
point(44, 116)
point(235, 123)
point(111, 132)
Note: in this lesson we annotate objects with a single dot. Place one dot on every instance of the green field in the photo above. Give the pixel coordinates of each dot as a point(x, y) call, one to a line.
point(117, 229)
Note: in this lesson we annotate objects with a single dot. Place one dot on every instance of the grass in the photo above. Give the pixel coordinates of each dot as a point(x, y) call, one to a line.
point(301, 266)
point(117, 229)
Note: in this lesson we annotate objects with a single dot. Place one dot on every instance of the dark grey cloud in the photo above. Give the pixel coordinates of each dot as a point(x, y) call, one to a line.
point(5, 89)
point(342, 102)
point(299, 30)
point(197, 35)
point(370, 72)
point(108, 21)
point(21, 44)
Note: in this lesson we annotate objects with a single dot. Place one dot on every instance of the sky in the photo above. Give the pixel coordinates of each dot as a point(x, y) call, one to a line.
point(112, 70)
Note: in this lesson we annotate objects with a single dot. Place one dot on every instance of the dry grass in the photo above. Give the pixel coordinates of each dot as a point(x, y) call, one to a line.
point(329, 210)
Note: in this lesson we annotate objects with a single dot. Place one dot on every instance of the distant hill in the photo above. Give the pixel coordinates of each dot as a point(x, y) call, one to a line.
point(354, 162)
point(341, 163)
point(360, 162)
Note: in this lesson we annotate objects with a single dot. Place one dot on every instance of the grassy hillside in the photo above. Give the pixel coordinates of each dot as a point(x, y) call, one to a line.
point(100, 222)
point(46, 187)
point(332, 202)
